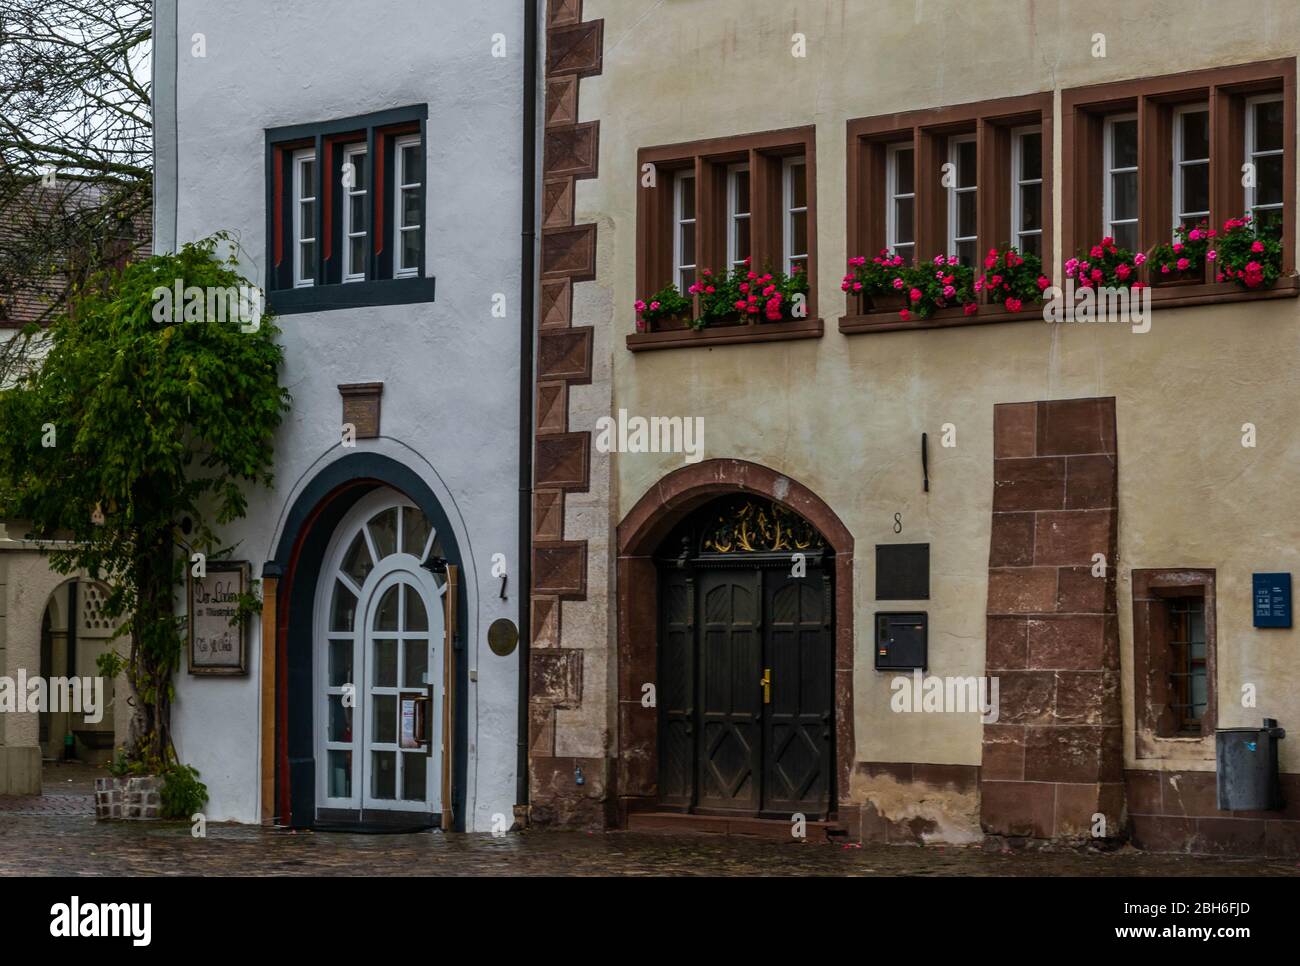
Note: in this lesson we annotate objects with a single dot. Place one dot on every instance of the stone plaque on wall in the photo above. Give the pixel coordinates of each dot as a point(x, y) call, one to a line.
point(361, 407)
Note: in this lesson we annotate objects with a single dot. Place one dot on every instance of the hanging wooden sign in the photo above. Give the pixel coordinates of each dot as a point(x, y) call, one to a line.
point(216, 645)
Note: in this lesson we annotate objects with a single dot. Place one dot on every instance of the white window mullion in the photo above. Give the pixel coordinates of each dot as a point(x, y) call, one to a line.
point(354, 216)
point(1120, 222)
point(738, 214)
point(794, 182)
point(1259, 151)
point(962, 240)
point(1191, 164)
point(684, 240)
point(408, 214)
point(304, 217)
point(1027, 183)
point(900, 200)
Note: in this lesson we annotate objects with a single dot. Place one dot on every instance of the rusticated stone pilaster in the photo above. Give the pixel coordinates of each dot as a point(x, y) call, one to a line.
point(562, 458)
point(1054, 758)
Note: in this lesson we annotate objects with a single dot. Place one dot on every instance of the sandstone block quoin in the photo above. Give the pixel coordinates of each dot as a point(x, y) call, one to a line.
point(1054, 758)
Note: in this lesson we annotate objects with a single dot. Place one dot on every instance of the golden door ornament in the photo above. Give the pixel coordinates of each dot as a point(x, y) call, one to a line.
point(760, 526)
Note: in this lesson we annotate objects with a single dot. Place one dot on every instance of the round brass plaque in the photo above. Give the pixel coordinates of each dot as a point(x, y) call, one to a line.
point(503, 635)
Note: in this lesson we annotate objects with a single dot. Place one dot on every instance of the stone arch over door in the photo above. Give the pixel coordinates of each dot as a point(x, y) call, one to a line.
point(647, 524)
point(300, 551)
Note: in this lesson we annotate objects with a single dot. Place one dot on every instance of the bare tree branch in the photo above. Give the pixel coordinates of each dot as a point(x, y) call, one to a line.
point(76, 155)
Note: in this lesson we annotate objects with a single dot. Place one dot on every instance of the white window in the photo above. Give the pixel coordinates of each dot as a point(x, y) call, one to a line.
point(795, 205)
point(1264, 151)
point(1120, 191)
point(1027, 190)
point(407, 219)
point(962, 200)
point(354, 214)
point(738, 214)
point(684, 230)
point(900, 203)
point(1191, 165)
point(304, 218)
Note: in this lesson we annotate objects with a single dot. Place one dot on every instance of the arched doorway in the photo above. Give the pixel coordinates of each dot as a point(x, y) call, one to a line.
point(817, 608)
point(320, 527)
point(746, 663)
point(379, 650)
point(74, 633)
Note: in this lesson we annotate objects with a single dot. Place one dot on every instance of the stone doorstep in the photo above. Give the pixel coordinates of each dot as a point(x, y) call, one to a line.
point(765, 828)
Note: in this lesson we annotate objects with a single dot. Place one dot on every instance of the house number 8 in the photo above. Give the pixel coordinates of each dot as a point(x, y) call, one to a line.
point(898, 523)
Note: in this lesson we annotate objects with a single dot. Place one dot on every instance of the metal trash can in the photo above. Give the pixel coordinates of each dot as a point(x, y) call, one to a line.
point(1246, 768)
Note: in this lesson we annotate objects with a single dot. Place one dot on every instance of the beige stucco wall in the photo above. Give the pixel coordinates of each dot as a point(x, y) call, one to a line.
point(27, 587)
point(844, 415)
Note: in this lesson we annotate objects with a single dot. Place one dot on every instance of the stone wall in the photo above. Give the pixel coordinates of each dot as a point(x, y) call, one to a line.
point(1054, 758)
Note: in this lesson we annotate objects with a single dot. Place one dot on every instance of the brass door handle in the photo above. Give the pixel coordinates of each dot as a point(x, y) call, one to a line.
point(766, 681)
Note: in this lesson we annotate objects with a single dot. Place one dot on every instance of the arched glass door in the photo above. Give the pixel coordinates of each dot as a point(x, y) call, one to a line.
point(379, 660)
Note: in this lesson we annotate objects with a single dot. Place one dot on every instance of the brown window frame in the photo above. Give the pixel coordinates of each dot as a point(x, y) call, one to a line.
point(1154, 100)
point(992, 122)
point(710, 160)
point(1154, 718)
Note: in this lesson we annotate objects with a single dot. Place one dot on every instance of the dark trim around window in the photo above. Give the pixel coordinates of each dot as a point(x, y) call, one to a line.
point(992, 122)
point(1153, 590)
point(1154, 100)
point(328, 139)
point(709, 160)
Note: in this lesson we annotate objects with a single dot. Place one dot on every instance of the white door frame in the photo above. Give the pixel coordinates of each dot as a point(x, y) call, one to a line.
point(398, 567)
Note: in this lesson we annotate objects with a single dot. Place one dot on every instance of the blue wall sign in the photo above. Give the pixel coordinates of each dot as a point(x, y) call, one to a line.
point(1272, 593)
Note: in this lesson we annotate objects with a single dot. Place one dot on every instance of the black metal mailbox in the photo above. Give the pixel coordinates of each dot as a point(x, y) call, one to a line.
point(901, 640)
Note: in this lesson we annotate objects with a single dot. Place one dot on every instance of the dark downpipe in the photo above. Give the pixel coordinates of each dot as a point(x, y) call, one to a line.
point(528, 246)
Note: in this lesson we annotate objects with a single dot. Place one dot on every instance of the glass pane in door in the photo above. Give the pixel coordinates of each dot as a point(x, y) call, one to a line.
point(383, 775)
point(340, 774)
point(397, 661)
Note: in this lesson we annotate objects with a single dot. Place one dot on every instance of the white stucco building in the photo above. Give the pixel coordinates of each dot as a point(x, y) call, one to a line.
point(370, 162)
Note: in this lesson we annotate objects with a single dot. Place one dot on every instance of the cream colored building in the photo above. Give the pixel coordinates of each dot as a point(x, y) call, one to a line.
point(1174, 453)
point(51, 626)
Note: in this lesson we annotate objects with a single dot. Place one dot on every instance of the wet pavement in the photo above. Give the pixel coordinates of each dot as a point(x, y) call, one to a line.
point(56, 834)
point(64, 845)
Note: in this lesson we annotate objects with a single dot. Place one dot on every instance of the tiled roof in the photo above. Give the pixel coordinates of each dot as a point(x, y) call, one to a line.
point(33, 207)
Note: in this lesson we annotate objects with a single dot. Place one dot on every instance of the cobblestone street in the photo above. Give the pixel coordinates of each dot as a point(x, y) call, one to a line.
point(64, 845)
point(56, 834)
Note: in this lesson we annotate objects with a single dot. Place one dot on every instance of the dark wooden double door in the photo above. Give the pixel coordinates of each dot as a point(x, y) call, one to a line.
point(728, 742)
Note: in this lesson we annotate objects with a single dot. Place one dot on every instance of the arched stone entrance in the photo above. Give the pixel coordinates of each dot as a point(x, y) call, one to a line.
point(641, 533)
point(314, 523)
